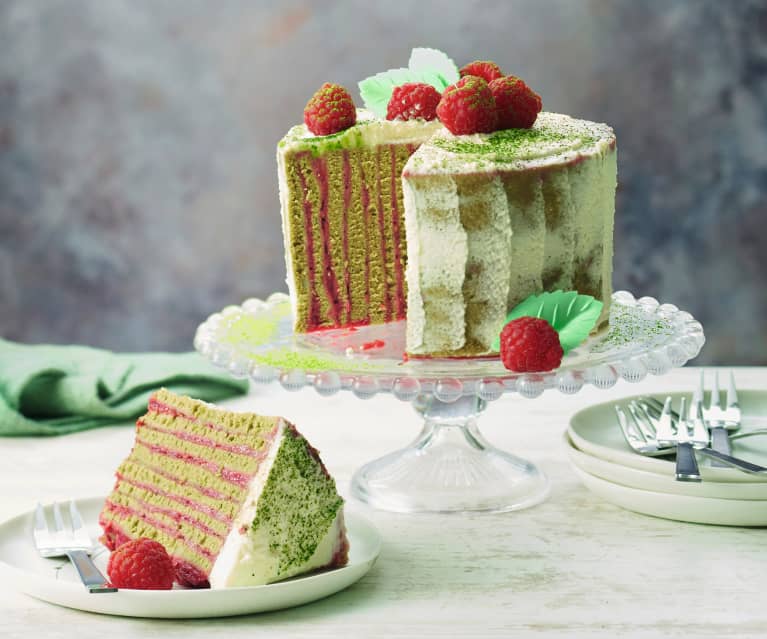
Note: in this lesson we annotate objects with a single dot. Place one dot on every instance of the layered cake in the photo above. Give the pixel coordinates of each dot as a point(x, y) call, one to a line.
point(446, 212)
point(494, 218)
point(236, 499)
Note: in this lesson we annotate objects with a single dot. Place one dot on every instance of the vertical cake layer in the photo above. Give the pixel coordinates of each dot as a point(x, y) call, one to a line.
point(593, 190)
point(485, 218)
point(561, 230)
point(524, 200)
point(438, 252)
point(346, 235)
point(342, 215)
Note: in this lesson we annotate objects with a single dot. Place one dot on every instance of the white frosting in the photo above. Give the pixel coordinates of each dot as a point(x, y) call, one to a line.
point(437, 253)
point(245, 558)
point(578, 138)
point(476, 250)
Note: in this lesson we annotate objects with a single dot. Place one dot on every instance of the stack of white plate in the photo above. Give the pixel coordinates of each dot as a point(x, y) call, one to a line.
point(609, 468)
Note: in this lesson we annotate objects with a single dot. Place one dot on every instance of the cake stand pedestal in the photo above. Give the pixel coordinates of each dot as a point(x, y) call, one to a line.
point(449, 466)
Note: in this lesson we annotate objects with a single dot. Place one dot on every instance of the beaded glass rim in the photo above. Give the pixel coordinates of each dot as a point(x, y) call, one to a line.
point(256, 341)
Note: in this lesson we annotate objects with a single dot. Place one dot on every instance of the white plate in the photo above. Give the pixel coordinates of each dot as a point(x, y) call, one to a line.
point(698, 510)
point(644, 480)
point(56, 581)
point(595, 431)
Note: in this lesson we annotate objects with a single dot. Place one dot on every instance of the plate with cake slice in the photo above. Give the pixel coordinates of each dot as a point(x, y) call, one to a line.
point(56, 581)
point(240, 513)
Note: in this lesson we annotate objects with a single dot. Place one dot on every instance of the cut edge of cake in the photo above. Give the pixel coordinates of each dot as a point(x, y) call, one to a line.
point(343, 231)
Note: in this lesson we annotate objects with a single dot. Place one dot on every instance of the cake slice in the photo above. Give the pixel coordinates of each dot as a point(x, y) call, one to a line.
point(493, 218)
point(237, 499)
point(342, 220)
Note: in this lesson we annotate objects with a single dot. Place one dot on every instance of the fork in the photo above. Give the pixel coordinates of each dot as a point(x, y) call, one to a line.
point(643, 437)
point(721, 421)
point(74, 542)
point(689, 434)
point(654, 407)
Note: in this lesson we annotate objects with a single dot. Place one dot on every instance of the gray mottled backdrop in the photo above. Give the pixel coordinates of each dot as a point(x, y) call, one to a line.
point(137, 177)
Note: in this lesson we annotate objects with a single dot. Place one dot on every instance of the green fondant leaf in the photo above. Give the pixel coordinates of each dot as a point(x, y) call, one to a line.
point(433, 60)
point(572, 315)
point(426, 65)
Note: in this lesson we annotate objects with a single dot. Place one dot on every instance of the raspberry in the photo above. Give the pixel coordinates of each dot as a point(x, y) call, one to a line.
point(141, 564)
point(413, 100)
point(468, 107)
point(516, 103)
point(529, 345)
point(330, 110)
point(484, 69)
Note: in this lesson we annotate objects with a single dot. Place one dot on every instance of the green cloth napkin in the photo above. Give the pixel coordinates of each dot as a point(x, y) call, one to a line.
point(53, 390)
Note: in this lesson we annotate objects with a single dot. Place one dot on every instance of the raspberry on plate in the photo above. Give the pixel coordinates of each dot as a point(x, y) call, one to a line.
point(413, 100)
point(484, 69)
point(330, 110)
point(516, 103)
point(141, 564)
point(530, 345)
point(468, 107)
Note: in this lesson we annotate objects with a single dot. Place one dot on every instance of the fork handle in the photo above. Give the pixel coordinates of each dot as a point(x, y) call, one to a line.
point(736, 462)
point(686, 464)
point(720, 442)
point(91, 577)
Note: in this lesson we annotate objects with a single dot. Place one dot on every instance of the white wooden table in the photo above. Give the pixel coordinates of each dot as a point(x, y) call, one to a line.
point(573, 566)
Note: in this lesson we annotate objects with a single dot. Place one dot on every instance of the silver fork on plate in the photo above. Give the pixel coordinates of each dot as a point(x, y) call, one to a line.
point(654, 407)
point(688, 435)
point(72, 541)
point(721, 421)
point(648, 435)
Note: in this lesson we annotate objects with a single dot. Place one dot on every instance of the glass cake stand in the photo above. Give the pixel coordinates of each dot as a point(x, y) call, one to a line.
point(450, 466)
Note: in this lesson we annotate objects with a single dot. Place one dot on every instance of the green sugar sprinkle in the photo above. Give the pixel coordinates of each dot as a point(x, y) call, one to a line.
point(251, 330)
point(628, 328)
point(298, 505)
point(289, 359)
point(350, 138)
point(508, 145)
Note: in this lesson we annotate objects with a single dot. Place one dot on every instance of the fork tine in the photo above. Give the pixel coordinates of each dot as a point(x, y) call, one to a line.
point(643, 421)
point(664, 430)
point(653, 404)
point(637, 422)
point(699, 392)
point(624, 424)
point(700, 433)
point(682, 432)
point(732, 394)
point(648, 420)
point(714, 400)
point(58, 520)
point(41, 524)
point(74, 515)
